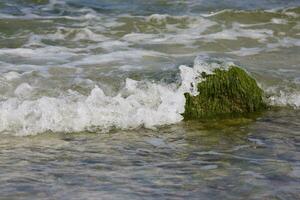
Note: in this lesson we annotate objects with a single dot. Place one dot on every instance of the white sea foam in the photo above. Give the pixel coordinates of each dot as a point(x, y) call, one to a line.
point(138, 104)
point(148, 108)
point(279, 21)
point(158, 18)
point(195, 31)
point(70, 34)
point(117, 56)
point(172, 33)
point(45, 53)
point(138, 37)
point(286, 99)
point(11, 75)
point(281, 43)
point(24, 90)
point(237, 31)
point(247, 51)
point(285, 42)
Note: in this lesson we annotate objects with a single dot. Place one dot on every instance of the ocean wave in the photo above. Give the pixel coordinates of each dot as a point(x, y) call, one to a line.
point(138, 104)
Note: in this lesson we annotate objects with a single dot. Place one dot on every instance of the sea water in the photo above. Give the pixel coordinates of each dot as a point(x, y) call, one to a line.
point(92, 92)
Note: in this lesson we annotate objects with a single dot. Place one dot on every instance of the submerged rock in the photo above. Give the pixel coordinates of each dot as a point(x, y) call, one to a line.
point(225, 92)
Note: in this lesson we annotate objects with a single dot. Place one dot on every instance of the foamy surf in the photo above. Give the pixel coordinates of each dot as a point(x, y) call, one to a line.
point(139, 104)
point(286, 99)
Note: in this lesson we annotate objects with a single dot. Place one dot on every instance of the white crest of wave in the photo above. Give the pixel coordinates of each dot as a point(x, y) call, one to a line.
point(286, 99)
point(139, 104)
point(155, 105)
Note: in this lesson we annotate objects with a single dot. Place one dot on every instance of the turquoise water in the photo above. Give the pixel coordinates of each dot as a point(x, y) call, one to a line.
point(91, 96)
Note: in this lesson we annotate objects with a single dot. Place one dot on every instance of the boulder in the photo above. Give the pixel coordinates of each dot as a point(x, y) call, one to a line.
point(229, 91)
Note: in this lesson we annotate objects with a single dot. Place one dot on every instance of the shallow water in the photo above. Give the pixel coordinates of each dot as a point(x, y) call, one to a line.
point(254, 160)
point(96, 90)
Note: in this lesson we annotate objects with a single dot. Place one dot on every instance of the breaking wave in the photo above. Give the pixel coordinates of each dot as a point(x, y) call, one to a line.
point(138, 104)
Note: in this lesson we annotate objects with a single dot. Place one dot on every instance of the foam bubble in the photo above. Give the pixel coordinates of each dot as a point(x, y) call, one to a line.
point(158, 18)
point(279, 21)
point(286, 99)
point(156, 105)
point(237, 31)
point(23, 90)
point(135, 37)
point(247, 51)
point(71, 34)
point(11, 75)
point(172, 33)
point(87, 34)
point(45, 53)
point(117, 56)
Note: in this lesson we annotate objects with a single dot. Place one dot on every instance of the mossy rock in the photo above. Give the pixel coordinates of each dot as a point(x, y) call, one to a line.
point(225, 92)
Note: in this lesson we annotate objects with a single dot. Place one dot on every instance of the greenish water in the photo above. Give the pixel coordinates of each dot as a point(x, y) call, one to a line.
point(91, 100)
point(249, 160)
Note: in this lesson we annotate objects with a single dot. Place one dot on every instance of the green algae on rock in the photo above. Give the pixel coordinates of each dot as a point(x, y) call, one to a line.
point(225, 92)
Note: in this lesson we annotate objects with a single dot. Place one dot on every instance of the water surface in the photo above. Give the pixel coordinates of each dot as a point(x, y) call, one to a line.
point(91, 96)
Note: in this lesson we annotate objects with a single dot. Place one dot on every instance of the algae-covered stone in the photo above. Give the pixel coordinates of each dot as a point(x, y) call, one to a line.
point(230, 91)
